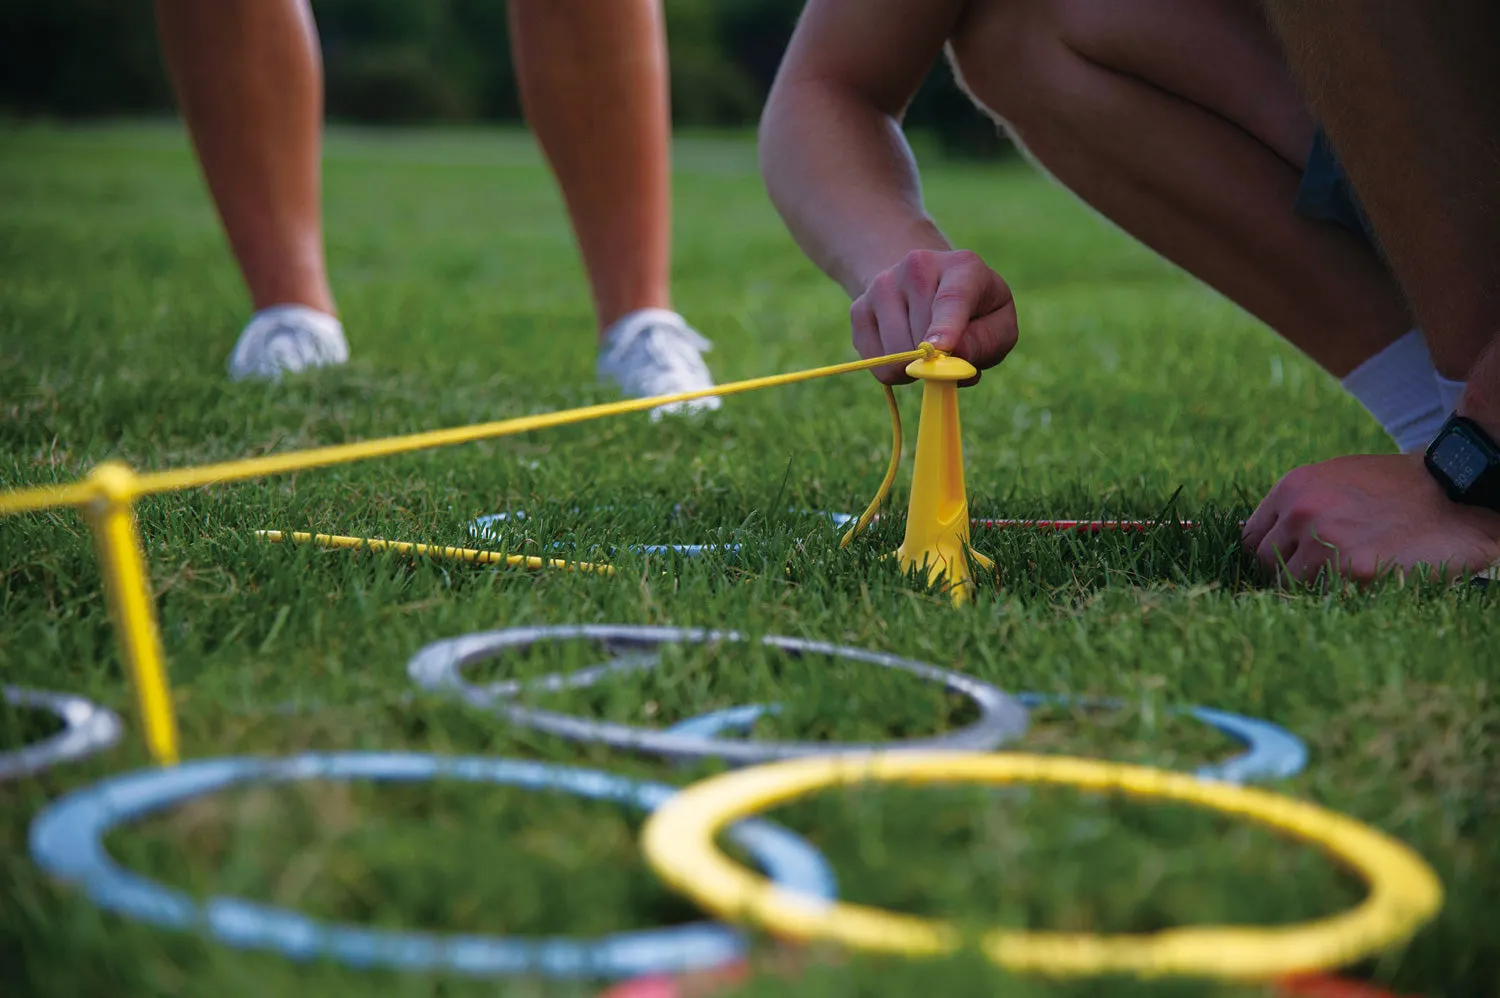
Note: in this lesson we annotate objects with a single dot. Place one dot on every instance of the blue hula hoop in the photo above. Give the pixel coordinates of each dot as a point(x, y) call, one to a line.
point(66, 840)
point(1271, 752)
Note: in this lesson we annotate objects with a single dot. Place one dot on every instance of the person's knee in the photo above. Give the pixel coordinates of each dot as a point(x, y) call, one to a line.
point(1016, 57)
point(1093, 30)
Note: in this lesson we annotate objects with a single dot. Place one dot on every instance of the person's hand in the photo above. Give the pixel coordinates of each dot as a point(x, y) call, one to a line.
point(949, 299)
point(1362, 517)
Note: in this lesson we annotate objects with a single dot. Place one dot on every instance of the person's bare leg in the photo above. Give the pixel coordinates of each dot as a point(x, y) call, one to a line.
point(1178, 120)
point(593, 80)
point(1410, 95)
point(248, 77)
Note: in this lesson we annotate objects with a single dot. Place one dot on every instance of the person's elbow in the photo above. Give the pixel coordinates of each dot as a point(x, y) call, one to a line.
point(778, 123)
point(800, 117)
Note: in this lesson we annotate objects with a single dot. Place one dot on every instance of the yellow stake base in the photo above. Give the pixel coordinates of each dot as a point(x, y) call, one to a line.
point(937, 518)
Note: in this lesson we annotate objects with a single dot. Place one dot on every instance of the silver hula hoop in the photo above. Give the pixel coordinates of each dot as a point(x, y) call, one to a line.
point(87, 728)
point(439, 667)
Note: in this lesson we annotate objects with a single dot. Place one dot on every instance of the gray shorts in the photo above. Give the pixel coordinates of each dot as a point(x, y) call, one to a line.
point(1325, 193)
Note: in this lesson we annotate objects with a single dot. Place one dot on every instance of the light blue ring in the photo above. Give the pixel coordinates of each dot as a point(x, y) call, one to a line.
point(1272, 752)
point(67, 842)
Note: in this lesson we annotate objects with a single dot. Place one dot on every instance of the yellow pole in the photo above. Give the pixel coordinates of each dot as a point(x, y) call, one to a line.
point(937, 518)
point(127, 585)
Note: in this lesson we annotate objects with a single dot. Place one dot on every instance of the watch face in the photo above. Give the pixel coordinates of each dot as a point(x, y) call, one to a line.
point(1459, 459)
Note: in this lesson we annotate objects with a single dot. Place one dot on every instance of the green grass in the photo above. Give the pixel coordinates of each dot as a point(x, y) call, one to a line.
point(464, 300)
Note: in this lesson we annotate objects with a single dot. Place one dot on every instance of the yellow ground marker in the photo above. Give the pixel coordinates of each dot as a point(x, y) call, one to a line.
point(937, 518)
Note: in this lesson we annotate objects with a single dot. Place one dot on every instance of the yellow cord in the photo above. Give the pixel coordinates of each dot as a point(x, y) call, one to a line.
point(890, 472)
point(109, 496)
point(150, 483)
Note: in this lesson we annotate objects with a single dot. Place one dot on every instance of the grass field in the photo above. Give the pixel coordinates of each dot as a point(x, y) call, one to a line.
point(464, 300)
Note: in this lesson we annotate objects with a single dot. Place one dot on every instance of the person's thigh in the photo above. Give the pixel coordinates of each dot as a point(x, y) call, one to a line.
point(1219, 54)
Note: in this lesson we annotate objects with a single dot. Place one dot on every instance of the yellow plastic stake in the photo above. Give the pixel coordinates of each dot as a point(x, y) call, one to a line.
point(937, 519)
point(127, 585)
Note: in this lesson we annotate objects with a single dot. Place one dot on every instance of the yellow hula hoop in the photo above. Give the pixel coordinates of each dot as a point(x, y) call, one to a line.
point(1404, 893)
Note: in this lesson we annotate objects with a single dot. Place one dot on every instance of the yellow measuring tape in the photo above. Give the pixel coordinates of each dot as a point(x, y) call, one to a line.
point(152, 482)
point(1404, 893)
point(108, 495)
point(337, 541)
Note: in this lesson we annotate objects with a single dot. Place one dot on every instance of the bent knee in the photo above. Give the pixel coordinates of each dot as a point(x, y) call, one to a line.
point(1015, 56)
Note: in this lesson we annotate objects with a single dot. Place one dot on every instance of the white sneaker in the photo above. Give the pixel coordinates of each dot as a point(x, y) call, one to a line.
point(285, 339)
point(655, 352)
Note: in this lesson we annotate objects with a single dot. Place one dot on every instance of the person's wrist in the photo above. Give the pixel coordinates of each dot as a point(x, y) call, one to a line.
point(1464, 457)
point(1481, 398)
point(881, 254)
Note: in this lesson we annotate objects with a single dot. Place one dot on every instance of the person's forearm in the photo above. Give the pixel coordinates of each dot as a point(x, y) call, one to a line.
point(842, 176)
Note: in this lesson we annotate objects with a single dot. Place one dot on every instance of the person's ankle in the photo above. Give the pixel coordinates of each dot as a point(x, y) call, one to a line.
point(310, 295)
point(291, 309)
point(640, 316)
point(612, 311)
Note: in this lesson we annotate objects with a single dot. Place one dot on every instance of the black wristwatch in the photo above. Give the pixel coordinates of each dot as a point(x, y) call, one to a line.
point(1466, 462)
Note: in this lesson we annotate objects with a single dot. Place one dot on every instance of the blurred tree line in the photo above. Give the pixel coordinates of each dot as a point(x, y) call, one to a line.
point(411, 61)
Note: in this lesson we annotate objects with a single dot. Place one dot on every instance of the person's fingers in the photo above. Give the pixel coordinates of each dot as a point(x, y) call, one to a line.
point(864, 331)
point(1276, 552)
point(966, 291)
point(1262, 521)
point(1323, 556)
point(951, 300)
point(864, 327)
point(989, 338)
point(920, 274)
point(896, 334)
point(1276, 547)
point(1258, 526)
point(1312, 557)
point(1298, 569)
point(1365, 568)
